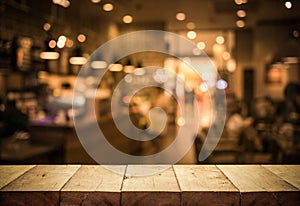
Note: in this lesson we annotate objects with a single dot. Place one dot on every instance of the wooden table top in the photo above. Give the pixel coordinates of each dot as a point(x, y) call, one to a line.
point(177, 185)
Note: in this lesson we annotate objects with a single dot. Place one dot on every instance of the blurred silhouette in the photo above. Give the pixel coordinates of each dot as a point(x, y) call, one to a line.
point(14, 119)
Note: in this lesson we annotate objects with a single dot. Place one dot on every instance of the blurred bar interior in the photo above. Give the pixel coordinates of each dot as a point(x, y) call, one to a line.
point(254, 45)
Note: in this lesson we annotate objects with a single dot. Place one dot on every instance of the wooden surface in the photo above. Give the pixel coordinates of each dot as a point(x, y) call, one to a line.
point(174, 185)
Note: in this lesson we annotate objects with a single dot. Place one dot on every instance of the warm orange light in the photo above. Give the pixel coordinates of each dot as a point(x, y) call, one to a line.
point(241, 13)
point(191, 25)
point(220, 39)
point(49, 55)
point(52, 44)
point(240, 23)
point(95, 1)
point(180, 16)
point(77, 60)
point(226, 56)
point(81, 38)
point(47, 26)
point(127, 19)
point(201, 45)
point(191, 35)
point(108, 7)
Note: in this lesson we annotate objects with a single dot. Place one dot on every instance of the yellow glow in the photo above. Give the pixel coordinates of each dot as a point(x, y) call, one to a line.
point(49, 55)
point(115, 67)
point(98, 64)
point(95, 1)
point(296, 33)
point(65, 3)
point(191, 25)
point(203, 87)
point(47, 26)
point(78, 60)
point(128, 68)
point(69, 43)
point(241, 13)
point(218, 49)
point(191, 35)
point(180, 16)
point(81, 38)
point(180, 121)
point(60, 44)
point(220, 40)
point(62, 38)
point(240, 23)
point(226, 56)
point(108, 7)
point(127, 19)
point(201, 45)
point(52, 44)
point(288, 4)
point(231, 65)
point(239, 2)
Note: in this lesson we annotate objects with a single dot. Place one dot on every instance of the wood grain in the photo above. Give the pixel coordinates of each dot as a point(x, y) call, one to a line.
point(9, 173)
point(259, 186)
point(290, 173)
point(205, 185)
point(43, 178)
point(94, 185)
point(160, 188)
point(39, 186)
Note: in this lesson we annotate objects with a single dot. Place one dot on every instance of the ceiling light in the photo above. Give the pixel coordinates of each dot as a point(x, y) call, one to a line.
point(81, 38)
point(95, 1)
point(180, 16)
point(52, 44)
point(127, 19)
point(69, 43)
point(201, 45)
point(296, 33)
point(288, 4)
point(240, 2)
point(47, 26)
point(108, 7)
point(62, 38)
point(115, 67)
point(60, 44)
point(240, 23)
point(191, 35)
point(191, 25)
point(220, 40)
point(77, 60)
point(98, 64)
point(49, 55)
point(241, 13)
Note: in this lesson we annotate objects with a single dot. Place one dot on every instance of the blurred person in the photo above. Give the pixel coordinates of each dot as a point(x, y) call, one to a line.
point(288, 112)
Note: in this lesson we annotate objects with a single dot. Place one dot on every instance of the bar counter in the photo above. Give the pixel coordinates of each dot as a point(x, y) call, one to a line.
point(177, 185)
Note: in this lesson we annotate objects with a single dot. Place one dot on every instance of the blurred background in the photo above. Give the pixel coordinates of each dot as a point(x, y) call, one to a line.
point(253, 44)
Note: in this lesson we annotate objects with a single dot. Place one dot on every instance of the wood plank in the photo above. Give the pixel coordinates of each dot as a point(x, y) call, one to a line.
point(94, 185)
point(205, 185)
point(259, 186)
point(9, 173)
point(290, 173)
point(43, 178)
point(158, 188)
point(39, 186)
